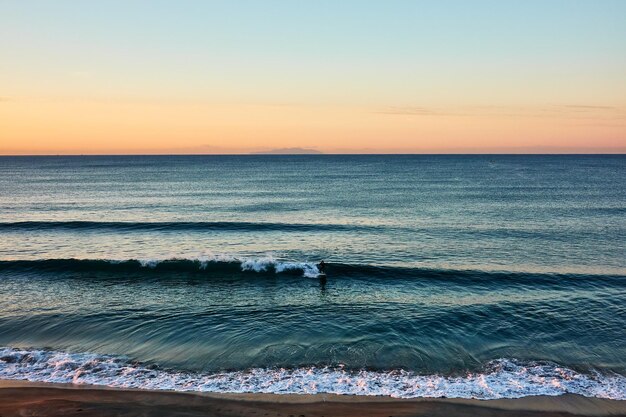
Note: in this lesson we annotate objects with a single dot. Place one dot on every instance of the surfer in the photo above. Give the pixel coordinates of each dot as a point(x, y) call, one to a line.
point(322, 268)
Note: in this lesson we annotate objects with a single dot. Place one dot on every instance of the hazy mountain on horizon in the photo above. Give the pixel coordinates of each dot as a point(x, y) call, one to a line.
point(289, 151)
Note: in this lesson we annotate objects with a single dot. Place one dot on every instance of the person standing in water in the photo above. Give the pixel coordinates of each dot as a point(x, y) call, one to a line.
point(321, 267)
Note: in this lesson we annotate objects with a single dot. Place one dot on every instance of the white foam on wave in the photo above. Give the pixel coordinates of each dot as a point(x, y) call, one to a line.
point(262, 264)
point(502, 378)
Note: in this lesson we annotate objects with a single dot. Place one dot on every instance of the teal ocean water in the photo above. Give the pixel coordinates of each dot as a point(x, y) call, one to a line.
point(461, 276)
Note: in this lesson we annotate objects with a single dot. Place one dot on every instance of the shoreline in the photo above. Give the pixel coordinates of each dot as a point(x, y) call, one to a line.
point(18, 398)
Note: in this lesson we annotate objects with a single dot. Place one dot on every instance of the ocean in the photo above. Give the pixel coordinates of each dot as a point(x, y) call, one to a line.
point(469, 276)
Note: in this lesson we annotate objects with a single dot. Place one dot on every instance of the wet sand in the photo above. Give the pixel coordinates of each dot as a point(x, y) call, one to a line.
point(30, 399)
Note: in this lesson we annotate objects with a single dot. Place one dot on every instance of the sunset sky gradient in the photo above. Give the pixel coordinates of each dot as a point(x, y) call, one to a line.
point(117, 77)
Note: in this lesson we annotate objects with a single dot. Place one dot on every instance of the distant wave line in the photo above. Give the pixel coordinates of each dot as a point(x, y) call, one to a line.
point(452, 232)
point(164, 226)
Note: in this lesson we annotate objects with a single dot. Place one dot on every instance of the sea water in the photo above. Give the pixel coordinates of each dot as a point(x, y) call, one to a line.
point(484, 276)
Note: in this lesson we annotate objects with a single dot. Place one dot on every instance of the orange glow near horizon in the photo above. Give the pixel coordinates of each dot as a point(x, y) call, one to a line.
point(109, 127)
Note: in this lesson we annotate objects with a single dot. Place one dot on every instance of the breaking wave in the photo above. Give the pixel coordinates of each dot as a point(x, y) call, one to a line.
point(213, 263)
point(502, 378)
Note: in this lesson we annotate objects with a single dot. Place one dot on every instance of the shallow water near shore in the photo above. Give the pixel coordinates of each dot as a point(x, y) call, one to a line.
point(459, 276)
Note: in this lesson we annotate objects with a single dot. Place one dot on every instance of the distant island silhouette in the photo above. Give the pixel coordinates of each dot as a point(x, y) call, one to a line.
point(289, 151)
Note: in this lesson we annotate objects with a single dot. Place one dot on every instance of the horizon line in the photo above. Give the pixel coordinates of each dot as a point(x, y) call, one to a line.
point(320, 154)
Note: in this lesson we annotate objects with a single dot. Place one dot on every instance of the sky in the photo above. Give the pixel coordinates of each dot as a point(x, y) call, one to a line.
point(350, 76)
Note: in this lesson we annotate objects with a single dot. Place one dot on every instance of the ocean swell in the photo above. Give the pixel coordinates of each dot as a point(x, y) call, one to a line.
point(236, 265)
point(502, 378)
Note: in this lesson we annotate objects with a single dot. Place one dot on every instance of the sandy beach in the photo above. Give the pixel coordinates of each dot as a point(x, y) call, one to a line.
point(19, 398)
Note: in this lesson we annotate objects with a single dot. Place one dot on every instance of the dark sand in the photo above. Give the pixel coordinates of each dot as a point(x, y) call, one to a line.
point(29, 399)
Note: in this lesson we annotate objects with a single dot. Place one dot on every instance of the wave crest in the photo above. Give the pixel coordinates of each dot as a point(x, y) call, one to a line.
point(215, 263)
point(263, 264)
